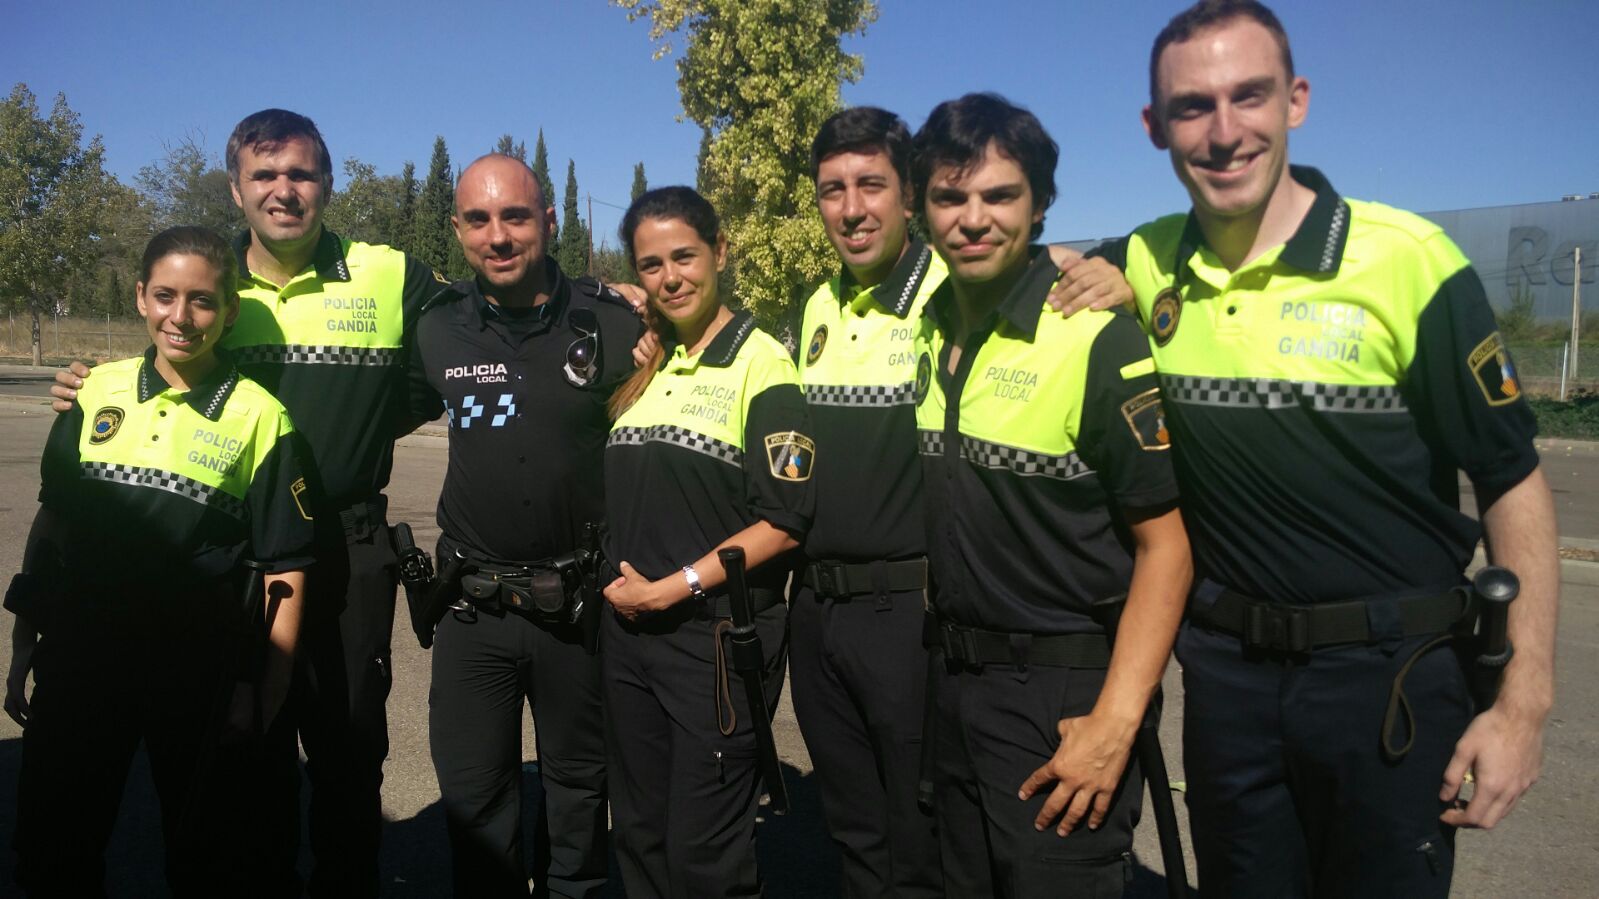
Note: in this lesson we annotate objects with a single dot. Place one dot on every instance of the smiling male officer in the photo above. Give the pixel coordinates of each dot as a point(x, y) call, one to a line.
point(523, 359)
point(1329, 366)
point(1049, 492)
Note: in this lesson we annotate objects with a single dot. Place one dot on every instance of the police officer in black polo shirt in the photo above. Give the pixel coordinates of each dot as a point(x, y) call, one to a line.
point(521, 358)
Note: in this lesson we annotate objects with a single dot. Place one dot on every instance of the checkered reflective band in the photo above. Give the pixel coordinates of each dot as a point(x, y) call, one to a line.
point(1028, 464)
point(300, 354)
point(677, 436)
point(175, 484)
point(861, 395)
point(932, 443)
point(1269, 393)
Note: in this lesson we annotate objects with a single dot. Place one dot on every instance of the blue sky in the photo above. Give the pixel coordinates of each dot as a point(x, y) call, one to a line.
point(1424, 104)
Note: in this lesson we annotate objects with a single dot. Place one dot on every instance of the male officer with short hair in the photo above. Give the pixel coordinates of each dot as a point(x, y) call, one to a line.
point(522, 358)
point(1049, 496)
point(1329, 367)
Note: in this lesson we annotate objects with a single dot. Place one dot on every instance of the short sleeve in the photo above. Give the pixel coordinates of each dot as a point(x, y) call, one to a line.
point(422, 402)
point(1463, 389)
point(279, 503)
point(1123, 432)
point(779, 447)
point(58, 467)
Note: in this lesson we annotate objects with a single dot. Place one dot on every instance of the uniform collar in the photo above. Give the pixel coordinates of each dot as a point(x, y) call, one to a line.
point(724, 346)
point(329, 260)
point(897, 292)
point(1318, 244)
point(1023, 306)
point(551, 312)
point(207, 397)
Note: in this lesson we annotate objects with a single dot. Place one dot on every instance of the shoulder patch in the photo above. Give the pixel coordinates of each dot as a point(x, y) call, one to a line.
point(438, 277)
point(1163, 315)
point(818, 343)
point(106, 423)
point(297, 490)
point(1495, 374)
point(791, 455)
point(924, 378)
point(1147, 419)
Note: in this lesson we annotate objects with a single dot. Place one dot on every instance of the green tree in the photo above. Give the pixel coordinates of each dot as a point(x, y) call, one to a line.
point(761, 76)
point(640, 185)
point(611, 265)
point(186, 186)
point(508, 146)
point(368, 208)
point(54, 192)
point(702, 175)
point(405, 217)
point(541, 169)
point(572, 247)
point(431, 235)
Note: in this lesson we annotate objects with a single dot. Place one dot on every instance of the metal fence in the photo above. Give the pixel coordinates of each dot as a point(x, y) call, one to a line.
point(65, 337)
point(112, 337)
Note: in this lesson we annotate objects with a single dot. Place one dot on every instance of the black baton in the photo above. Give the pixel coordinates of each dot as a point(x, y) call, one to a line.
point(1146, 745)
point(1493, 590)
point(746, 651)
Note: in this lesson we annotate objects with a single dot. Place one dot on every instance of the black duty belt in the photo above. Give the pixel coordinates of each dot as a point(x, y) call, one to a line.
point(974, 646)
point(717, 605)
point(1280, 627)
point(843, 580)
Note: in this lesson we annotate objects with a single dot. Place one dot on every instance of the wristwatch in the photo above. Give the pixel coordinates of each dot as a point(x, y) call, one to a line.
point(693, 578)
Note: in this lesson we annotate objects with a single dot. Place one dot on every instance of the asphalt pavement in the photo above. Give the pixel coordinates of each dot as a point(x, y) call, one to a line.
point(1545, 848)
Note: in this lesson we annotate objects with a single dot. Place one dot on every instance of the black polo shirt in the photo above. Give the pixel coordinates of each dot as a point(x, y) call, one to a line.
point(329, 344)
point(857, 362)
point(1323, 397)
point(165, 489)
point(1036, 450)
point(526, 439)
point(718, 441)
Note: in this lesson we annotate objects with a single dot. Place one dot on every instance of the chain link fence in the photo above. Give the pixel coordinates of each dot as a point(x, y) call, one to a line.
point(67, 337)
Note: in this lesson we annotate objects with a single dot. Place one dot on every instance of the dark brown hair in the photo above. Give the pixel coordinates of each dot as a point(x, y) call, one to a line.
point(1207, 14)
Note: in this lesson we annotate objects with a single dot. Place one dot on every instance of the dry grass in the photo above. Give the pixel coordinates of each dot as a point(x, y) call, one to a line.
point(72, 337)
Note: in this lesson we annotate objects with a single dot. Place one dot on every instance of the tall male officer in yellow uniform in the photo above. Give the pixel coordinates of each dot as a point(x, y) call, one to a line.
point(321, 325)
point(1328, 366)
point(1049, 491)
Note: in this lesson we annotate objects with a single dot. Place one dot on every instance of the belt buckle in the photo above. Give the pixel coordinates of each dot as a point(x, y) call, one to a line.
point(1277, 628)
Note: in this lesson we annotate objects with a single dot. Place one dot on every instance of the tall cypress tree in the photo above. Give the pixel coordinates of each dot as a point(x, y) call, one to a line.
point(430, 233)
point(573, 244)
point(639, 184)
point(702, 174)
point(541, 169)
point(405, 218)
point(510, 147)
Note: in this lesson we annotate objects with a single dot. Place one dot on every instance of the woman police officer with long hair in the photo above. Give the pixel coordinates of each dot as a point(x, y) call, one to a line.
point(709, 449)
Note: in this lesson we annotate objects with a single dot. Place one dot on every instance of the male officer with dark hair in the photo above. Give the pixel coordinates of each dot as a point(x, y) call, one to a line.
point(522, 358)
point(1049, 496)
point(1329, 367)
point(858, 664)
point(322, 324)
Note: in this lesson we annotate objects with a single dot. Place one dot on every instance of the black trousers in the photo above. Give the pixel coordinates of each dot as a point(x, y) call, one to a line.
point(337, 703)
point(994, 727)
point(1288, 792)
point(150, 670)
point(683, 796)
point(859, 675)
point(486, 664)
